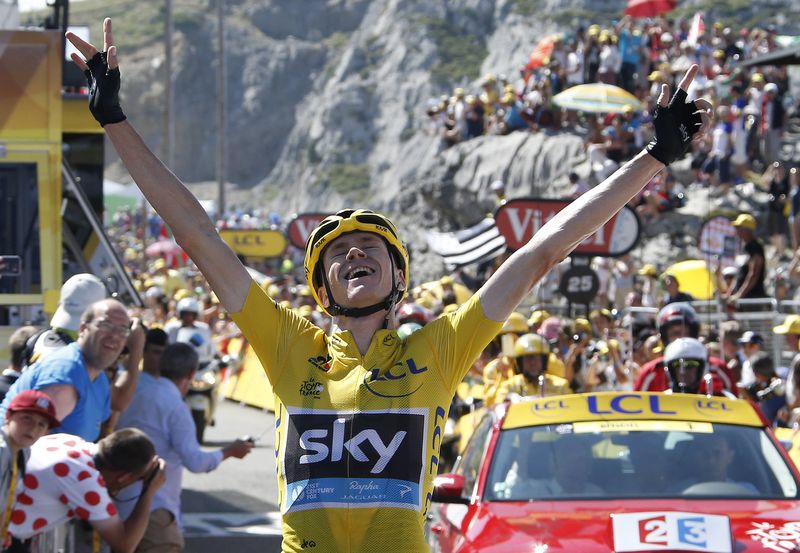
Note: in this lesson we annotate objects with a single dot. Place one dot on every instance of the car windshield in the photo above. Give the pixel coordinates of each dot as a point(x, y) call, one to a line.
point(637, 459)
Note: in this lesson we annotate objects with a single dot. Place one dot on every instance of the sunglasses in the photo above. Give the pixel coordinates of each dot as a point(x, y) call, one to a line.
point(686, 364)
point(330, 225)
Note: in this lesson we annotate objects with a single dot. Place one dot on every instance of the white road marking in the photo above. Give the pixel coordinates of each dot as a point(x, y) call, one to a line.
point(204, 525)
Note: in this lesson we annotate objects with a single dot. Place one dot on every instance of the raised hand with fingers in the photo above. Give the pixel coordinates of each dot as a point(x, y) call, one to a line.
point(677, 122)
point(102, 74)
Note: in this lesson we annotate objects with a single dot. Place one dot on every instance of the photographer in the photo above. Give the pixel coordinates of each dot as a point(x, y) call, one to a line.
point(768, 391)
point(607, 371)
point(575, 358)
point(68, 478)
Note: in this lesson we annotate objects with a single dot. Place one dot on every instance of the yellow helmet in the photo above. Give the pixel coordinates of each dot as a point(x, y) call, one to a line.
point(515, 323)
point(181, 293)
point(538, 317)
point(531, 344)
point(331, 228)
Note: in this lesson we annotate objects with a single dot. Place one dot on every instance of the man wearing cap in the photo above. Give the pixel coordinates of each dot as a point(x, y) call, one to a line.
point(74, 376)
point(670, 283)
point(649, 280)
point(752, 344)
point(750, 278)
point(77, 293)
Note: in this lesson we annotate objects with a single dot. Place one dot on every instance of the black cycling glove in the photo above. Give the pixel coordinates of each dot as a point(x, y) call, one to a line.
point(675, 126)
point(103, 90)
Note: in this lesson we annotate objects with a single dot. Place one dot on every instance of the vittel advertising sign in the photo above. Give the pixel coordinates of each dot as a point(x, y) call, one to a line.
point(518, 220)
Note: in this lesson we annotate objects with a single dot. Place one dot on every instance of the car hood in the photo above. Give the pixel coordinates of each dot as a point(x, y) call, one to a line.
point(589, 526)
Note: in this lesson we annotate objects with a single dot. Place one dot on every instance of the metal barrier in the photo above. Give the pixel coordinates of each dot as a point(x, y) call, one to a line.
point(58, 540)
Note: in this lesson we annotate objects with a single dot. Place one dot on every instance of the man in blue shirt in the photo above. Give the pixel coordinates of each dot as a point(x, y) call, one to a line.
point(159, 411)
point(74, 375)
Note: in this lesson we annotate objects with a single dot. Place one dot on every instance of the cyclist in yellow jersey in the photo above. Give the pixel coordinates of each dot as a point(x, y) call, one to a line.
point(360, 412)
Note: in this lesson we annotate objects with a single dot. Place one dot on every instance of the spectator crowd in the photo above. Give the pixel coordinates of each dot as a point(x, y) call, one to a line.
point(93, 405)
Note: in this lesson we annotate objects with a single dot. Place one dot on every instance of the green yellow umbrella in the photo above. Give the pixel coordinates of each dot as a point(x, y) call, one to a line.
point(597, 98)
point(694, 278)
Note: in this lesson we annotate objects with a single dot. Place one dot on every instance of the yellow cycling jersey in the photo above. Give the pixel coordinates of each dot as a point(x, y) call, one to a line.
point(358, 437)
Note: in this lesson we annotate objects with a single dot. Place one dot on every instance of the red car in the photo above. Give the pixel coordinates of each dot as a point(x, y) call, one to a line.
point(621, 472)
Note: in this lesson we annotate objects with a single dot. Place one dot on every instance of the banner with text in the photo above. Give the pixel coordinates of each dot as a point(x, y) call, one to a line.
point(255, 243)
point(301, 226)
point(519, 219)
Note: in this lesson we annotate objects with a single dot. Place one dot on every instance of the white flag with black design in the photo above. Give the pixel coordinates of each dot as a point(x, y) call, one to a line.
point(478, 243)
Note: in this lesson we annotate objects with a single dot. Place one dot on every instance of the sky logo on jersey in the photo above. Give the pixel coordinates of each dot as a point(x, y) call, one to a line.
point(395, 381)
point(346, 459)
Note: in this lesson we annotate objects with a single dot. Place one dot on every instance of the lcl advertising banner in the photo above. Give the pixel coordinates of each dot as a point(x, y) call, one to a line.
point(519, 219)
point(255, 243)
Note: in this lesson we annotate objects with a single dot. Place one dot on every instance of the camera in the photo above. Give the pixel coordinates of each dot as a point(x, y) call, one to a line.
point(10, 265)
point(576, 338)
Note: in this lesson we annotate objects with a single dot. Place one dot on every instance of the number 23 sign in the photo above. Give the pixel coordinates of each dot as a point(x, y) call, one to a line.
point(671, 531)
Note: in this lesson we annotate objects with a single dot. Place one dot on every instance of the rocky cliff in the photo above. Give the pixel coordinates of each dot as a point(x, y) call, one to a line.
point(326, 98)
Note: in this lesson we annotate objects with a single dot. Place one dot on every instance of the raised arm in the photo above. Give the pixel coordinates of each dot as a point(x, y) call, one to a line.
point(187, 219)
point(677, 123)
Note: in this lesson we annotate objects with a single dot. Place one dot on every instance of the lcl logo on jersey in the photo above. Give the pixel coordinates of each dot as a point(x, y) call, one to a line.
point(395, 381)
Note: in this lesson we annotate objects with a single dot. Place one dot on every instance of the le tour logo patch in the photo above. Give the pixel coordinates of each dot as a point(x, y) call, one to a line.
point(311, 388)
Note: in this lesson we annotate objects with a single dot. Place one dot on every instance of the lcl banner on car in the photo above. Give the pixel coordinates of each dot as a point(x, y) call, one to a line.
point(519, 219)
point(301, 226)
point(255, 243)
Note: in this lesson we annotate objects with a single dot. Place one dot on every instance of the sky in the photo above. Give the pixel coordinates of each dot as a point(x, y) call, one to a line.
point(28, 5)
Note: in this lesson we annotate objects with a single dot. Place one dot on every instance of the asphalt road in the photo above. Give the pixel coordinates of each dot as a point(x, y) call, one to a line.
point(235, 508)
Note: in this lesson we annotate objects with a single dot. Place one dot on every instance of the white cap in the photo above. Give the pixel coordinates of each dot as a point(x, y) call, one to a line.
point(730, 270)
point(77, 294)
point(497, 185)
point(771, 87)
point(154, 292)
point(189, 305)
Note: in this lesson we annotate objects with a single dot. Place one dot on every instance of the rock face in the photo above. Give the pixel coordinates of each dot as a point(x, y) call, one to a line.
point(326, 102)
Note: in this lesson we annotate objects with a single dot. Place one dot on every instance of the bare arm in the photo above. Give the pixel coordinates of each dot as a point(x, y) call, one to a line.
point(558, 237)
point(124, 536)
point(507, 287)
point(190, 224)
point(124, 386)
point(64, 397)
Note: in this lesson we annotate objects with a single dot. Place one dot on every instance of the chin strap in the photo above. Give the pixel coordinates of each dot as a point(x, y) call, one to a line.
point(387, 304)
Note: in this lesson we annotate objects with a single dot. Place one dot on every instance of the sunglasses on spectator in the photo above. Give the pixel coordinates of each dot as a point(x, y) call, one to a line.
point(686, 364)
